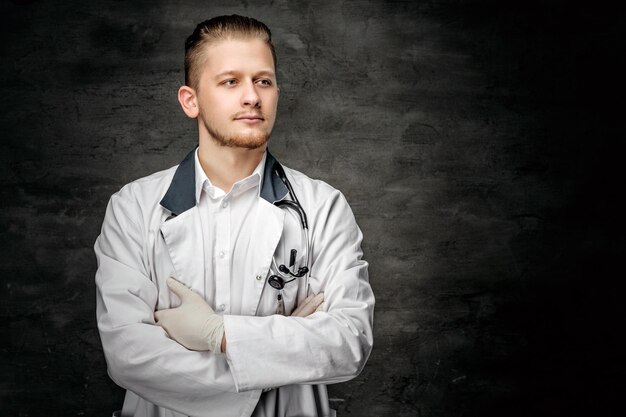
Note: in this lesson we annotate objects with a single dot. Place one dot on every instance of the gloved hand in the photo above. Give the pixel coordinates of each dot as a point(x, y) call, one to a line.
point(310, 305)
point(193, 324)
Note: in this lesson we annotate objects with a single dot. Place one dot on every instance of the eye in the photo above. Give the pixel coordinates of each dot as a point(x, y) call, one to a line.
point(229, 82)
point(265, 82)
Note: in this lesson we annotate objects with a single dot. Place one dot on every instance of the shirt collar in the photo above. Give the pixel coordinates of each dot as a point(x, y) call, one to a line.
point(180, 195)
point(203, 182)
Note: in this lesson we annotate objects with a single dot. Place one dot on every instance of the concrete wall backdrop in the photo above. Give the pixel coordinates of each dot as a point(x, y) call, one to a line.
point(476, 141)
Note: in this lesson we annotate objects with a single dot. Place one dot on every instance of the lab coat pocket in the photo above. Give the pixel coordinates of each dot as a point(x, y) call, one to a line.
point(290, 294)
point(294, 292)
point(283, 301)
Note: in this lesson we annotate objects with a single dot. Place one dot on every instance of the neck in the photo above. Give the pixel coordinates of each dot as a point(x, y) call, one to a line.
point(225, 165)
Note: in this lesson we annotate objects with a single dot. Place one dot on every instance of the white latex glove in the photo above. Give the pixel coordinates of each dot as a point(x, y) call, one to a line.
point(310, 305)
point(193, 324)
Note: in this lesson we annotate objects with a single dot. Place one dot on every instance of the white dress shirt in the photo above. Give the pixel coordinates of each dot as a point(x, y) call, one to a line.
point(226, 226)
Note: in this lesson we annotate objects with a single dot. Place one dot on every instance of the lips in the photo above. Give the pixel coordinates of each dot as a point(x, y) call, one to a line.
point(249, 117)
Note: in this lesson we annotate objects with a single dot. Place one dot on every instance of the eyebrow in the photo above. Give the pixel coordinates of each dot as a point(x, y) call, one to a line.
point(267, 73)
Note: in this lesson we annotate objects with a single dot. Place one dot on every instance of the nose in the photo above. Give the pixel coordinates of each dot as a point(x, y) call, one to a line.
point(250, 97)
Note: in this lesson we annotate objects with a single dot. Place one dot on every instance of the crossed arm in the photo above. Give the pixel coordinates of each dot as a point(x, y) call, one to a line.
point(195, 325)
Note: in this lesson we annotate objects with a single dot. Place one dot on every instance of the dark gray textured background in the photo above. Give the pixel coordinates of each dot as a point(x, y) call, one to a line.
point(477, 144)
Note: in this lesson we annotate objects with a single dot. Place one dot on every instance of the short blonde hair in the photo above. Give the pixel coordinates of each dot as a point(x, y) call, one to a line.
point(216, 29)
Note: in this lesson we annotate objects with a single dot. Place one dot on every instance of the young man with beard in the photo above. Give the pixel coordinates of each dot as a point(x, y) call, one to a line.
point(230, 285)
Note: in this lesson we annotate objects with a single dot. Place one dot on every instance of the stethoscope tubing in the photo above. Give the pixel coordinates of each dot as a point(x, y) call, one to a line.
point(296, 207)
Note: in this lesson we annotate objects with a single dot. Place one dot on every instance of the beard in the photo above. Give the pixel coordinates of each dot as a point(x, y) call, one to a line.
point(251, 141)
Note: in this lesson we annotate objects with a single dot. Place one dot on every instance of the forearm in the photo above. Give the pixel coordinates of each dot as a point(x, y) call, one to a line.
point(325, 347)
point(140, 357)
point(308, 306)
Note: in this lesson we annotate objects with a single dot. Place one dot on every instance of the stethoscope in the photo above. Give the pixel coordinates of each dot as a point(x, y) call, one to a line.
point(286, 274)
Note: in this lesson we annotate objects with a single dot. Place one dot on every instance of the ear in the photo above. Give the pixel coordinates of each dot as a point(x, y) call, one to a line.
point(188, 101)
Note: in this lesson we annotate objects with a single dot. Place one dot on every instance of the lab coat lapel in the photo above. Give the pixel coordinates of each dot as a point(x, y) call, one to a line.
point(183, 237)
point(182, 231)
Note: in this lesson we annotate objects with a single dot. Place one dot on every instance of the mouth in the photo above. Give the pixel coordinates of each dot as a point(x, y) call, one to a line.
point(250, 117)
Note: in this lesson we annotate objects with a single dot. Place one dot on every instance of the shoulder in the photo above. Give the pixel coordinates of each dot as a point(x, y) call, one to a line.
point(305, 184)
point(314, 193)
point(329, 215)
point(144, 193)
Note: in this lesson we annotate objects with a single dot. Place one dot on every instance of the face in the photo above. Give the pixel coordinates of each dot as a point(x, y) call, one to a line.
point(237, 93)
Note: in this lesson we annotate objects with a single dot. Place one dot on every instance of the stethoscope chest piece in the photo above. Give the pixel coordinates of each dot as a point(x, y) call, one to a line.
point(277, 282)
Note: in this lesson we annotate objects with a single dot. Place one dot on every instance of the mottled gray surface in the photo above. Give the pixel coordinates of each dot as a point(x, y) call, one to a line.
point(475, 141)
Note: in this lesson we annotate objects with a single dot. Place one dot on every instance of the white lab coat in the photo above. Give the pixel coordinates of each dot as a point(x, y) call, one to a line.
point(151, 231)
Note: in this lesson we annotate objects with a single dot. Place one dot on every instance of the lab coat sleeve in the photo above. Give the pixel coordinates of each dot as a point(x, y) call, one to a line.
point(328, 346)
point(140, 357)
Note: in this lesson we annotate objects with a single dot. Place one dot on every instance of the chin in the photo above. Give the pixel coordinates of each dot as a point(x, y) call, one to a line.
point(245, 141)
point(250, 140)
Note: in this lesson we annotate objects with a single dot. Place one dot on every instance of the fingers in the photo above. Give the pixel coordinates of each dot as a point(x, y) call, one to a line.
point(315, 303)
point(161, 316)
point(320, 307)
point(178, 288)
point(311, 306)
point(302, 304)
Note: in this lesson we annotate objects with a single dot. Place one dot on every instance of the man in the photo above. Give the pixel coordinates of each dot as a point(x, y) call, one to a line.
point(189, 322)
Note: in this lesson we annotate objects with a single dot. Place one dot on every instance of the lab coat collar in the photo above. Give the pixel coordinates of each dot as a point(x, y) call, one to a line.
point(181, 194)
